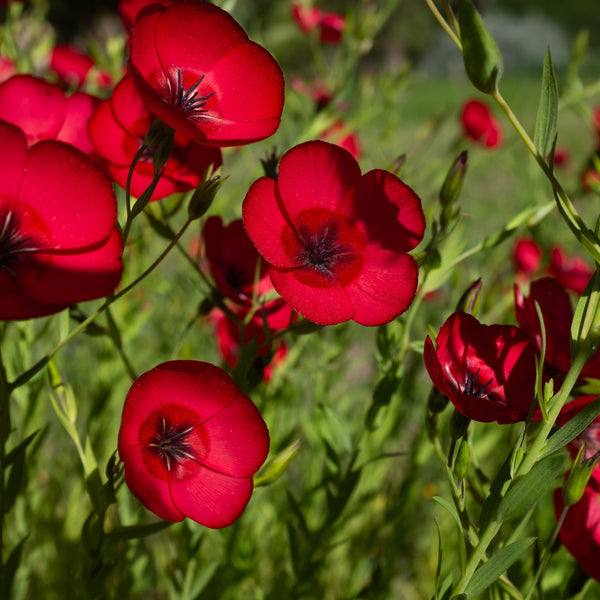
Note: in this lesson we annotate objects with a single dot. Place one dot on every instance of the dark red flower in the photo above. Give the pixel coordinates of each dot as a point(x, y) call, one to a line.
point(573, 272)
point(73, 67)
point(330, 25)
point(527, 256)
point(479, 124)
point(339, 133)
point(128, 9)
point(487, 371)
point(190, 442)
point(58, 238)
point(196, 69)
point(117, 130)
point(43, 112)
point(336, 241)
point(580, 531)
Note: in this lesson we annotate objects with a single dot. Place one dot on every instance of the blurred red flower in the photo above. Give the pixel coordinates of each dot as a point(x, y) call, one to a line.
point(479, 124)
point(8, 68)
point(72, 66)
point(336, 241)
point(580, 530)
point(527, 257)
point(339, 133)
point(43, 111)
point(330, 25)
point(487, 371)
point(573, 272)
point(190, 442)
point(58, 238)
point(117, 130)
point(129, 9)
point(196, 69)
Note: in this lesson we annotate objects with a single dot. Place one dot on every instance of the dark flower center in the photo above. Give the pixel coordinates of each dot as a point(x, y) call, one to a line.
point(473, 388)
point(169, 441)
point(12, 242)
point(188, 99)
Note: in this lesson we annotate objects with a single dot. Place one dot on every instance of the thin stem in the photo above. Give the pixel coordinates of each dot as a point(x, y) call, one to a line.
point(4, 433)
point(440, 19)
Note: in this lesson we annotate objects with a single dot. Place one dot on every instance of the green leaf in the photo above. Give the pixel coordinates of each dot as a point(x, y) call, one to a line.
point(545, 124)
point(9, 568)
point(529, 488)
point(570, 430)
point(135, 532)
point(498, 564)
point(462, 551)
point(482, 58)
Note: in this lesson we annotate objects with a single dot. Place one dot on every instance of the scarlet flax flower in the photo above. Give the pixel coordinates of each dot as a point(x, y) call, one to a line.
point(479, 124)
point(336, 241)
point(196, 69)
point(330, 25)
point(190, 442)
point(118, 128)
point(487, 371)
point(58, 238)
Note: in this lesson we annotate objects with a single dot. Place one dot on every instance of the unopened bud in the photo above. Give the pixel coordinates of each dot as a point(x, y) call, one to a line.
point(203, 196)
point(578, 478)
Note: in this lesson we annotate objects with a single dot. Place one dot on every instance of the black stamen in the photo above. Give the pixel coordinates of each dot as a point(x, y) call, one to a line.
point(188, 100)
point(471, 387)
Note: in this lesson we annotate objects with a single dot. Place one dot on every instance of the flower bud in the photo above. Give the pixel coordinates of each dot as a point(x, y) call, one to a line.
point(203, 196)
point(578, 478)
point(451, 190)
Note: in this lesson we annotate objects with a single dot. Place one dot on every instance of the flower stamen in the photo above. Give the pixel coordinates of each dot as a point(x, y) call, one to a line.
point(189, 100)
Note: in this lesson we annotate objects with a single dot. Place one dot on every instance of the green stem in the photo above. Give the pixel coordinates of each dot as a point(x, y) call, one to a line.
point(4, 433)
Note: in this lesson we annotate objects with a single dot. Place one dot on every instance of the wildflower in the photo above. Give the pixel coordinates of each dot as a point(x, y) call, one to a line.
point(190, 442)
point(336, 241)
point(479, 124)
point(329, 25)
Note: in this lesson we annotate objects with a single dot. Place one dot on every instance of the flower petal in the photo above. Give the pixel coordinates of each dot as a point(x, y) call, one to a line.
point(13, 153)
point(210, 498)
point(315, 174)
point(79, 109)
point(385, 287)
point(315, 297)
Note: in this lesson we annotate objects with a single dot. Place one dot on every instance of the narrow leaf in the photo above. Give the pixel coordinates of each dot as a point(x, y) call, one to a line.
point(498, 564)
point(545, 125)
point(462, 551)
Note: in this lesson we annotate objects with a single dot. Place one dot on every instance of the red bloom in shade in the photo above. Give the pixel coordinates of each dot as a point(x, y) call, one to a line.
point(190, 442)
point(70, 64)
point(574, 273)
point(128, 9)
point(232, 261)
point(336, 241)
point(58, 238)
point(340, 134)
point(479, 124)
point(43, 112)
point(527, 256)
point(117, 130)
point(580, 531)
point(330, 25)
point(487, 371)
point(196, 69)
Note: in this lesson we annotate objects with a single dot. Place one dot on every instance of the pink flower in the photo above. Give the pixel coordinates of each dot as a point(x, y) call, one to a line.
point(336, 241)
point(59, 243)
point(117, 130)
point(479, 124)
point(329, 25)
point(190, 442)
point(487, 371)
point(196, 69)
point(43, 112)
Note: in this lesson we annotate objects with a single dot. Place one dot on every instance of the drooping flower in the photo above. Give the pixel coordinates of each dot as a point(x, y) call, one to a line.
point(580, 530)
point(487, 371)
point(118, 128)
point(480, 125)
point(190, 443)
point(330, 25)
point(196, 69)
point(58, 238)
point(336, 241)
point(43, 111)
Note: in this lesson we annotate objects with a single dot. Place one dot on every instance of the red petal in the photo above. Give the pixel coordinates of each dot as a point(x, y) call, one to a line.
point(128, 109)
point(36, 106)
point(212, 499)
point(111, 141)
point(13, 152)
point(69, 278)
point(315, 175)
point(266, 225)
point(385, 287)
point(315, 298)
point(388, 211)
point(80, 107)
point(153, 493)
point(70, 194)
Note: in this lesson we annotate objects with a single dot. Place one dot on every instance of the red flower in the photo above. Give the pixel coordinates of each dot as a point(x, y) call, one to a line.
point(574, 273)
point(117, 130)
point(8, 68)
point(330, 25)
point(487, 371)
point(527, 256)
point(128, 9)
point(336, 240)
point(190, 442)
point(196, 69)
point(58, 238)
point(580, 531)
point(72, 66)
point(339, 133)
point(480, 125)
point(43, 112)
